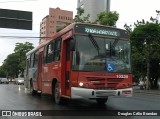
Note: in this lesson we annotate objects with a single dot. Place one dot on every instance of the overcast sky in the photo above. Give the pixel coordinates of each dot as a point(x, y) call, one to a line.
point(129, 10)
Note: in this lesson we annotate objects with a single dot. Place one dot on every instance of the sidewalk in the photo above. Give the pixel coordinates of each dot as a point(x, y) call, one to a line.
point(136, 89)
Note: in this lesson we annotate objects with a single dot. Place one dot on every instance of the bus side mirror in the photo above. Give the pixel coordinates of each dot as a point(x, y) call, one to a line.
point(72, 45)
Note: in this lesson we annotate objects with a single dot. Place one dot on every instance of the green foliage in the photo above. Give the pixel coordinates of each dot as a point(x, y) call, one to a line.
point(14, 64)
point(2, 72)
point(11, 65)
point(104, 18)
point(108, 18)
point(80, 16)
point(128, 28)
point(145, 41)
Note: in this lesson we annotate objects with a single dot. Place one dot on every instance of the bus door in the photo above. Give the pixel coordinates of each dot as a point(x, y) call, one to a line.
point(67, 68)
point(40, 71)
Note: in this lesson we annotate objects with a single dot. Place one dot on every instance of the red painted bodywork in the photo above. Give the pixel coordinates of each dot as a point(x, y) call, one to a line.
point(57, 70)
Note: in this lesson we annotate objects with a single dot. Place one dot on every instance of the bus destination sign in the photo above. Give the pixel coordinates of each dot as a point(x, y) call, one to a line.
point(100, 30)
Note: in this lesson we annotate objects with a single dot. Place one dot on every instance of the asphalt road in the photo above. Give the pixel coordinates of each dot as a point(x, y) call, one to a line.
point(15, 97)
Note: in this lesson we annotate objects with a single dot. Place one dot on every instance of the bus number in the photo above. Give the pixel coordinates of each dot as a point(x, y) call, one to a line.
point(122, 76)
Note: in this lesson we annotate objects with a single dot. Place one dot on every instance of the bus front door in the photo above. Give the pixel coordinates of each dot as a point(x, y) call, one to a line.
point(67, 68)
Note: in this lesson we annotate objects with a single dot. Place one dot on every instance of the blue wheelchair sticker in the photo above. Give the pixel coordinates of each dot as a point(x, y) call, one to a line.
point(110, 67)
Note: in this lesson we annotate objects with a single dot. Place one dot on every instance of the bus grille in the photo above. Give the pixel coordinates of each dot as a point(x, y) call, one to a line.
point(104, 83)
point(106, 86)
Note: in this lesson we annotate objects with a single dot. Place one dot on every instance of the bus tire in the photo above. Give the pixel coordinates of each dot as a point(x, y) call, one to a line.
point(57, 98)
point(101, 101)
point(32, 91)
point(39, 94)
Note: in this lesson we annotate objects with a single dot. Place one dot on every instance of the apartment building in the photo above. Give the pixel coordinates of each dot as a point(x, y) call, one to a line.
point(54, 22)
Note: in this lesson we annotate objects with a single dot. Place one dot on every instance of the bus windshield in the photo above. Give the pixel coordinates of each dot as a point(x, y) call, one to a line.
point(111, 55)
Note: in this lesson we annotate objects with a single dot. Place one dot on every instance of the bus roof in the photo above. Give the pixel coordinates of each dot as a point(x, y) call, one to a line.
point(69, 27)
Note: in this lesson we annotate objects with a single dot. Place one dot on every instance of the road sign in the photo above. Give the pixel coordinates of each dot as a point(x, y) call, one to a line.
point(15, 19)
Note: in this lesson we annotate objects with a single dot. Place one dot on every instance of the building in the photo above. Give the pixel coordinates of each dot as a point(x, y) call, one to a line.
point(93, 7)
point(54, 22)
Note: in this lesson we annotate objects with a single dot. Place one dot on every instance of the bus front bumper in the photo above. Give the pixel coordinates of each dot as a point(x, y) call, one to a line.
point(77, 93)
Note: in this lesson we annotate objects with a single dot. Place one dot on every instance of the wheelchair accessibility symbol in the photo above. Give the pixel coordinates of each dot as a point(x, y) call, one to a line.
point(110, 67)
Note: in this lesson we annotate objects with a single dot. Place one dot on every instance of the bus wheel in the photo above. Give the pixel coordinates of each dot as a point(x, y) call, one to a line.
point(58, 99)
point(39, 94)
point(32, 91)
point(101, 101)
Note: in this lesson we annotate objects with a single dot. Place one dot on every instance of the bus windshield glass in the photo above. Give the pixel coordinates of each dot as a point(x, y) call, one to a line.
point(111, 55)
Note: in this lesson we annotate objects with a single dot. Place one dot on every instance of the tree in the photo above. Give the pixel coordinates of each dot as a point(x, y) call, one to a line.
point(14, 64)
point(11, 65)
point(145, 40)
point(80, 16)
point(21, 50)
point(108, 18)
point(2, 72)
point(128, 28)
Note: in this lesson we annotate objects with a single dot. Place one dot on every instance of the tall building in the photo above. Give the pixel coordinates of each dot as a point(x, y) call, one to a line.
point(52, 23)
point(93, 7)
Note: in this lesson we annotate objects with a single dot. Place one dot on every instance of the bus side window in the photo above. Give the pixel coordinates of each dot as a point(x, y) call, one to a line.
point(27, 66)
point(35, 63)
point(57, 50)
point(49, 53)
point(32, 60)
point(45, 55)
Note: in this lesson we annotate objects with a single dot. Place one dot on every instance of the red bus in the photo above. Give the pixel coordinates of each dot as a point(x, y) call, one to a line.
point(82, 61)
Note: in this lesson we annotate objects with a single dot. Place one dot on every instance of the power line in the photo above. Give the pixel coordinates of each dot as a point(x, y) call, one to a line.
point(23, 37)
point(33, 37)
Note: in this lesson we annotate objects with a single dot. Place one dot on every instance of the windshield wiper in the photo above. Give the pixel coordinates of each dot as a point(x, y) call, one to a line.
point(94, 42)
point(112, 46)
point(114, 43)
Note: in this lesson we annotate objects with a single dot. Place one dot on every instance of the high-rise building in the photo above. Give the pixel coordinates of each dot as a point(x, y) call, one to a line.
point(93, 7)
point(55, 21)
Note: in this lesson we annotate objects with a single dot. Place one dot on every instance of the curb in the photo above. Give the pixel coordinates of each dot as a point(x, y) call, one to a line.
point(147, 92)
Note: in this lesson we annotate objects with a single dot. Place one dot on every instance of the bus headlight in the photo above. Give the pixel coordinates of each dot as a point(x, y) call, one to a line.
point(81, 84)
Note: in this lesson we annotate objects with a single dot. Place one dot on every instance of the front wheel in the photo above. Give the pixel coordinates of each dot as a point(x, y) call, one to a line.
point(58, 99)
point(101, 101)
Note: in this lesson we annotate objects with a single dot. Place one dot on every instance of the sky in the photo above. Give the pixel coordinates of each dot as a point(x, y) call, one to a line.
point(129, 12)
